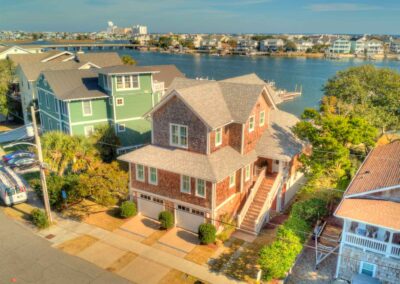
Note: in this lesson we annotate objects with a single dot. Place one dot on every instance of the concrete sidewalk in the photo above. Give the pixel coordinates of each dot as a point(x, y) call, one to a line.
point(68, 229)
point(26, 258)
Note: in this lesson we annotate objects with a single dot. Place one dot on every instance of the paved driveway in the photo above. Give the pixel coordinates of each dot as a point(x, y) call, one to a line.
point(178, 242)
point(27, 258)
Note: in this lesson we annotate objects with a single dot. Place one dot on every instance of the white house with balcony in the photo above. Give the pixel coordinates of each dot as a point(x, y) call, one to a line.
point(341, 46)
point(370, 209)
point(271, 44)
point(395, 46)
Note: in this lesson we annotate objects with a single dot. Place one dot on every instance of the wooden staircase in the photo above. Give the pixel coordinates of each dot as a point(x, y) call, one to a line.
point(256, 206)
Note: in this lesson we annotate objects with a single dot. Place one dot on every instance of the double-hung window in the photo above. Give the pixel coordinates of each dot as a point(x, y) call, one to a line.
point(247, 173)
point(127, 82)
point(185, 184)
point(200, 188)
point(218, 137)
point(251, 123)
point(232, 180)
point(89, 129)
point(153, 178)
point(178, 135)
point(87, 108)
point(139, 172)
point(262, 118)
point(56, 102)
point(120, 82)
point(63, 107)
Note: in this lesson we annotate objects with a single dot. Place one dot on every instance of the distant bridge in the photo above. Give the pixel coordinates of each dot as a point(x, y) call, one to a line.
point(89, 46)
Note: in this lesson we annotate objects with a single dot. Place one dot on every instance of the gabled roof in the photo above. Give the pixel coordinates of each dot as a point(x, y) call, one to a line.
point(5, 48)
point(278, 141)
point(32, 66)
point(74, 84)
point(166, 74)
point(381, 169)
point(33, 57)
point(214, 167)
point(218, 103)
point(373, 196)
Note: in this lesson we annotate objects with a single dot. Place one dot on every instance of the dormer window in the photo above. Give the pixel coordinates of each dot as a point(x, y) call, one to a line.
point(218, 137)
point(178, 135)
point(127, 82)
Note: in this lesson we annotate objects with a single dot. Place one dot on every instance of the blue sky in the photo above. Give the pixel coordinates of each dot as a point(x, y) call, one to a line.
point(196, 16)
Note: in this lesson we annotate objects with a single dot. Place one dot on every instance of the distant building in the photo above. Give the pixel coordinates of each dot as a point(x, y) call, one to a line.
point(271, 44)
point(139, 30)
point(304, 45)
point(374, 47)
point(358, 45)
point(340, 46)
point(7, 50)
point(395, 46)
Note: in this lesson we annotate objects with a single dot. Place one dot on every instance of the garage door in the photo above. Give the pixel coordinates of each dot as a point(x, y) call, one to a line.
point(188, 218)
point(150, 207)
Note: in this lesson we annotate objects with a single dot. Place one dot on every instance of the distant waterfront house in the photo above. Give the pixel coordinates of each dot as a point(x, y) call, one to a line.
point(29, 67)
point(340, 46)
point(272, 44)
point(370, 209)
point(358, 45)
point(304, 45)
point(220, 150)
point(247, 45)
point(395, 46)
point(374, 47)
point(76, 101)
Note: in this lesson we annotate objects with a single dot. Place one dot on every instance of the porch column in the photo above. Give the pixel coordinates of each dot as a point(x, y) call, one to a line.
point(389, 245)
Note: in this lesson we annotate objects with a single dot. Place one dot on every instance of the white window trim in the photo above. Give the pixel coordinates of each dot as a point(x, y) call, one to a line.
point(190, 185)
point(137, 171)
point(251, 129)
point(83, 108)
point(205, 188)
point(47, 100)
point(86, 129)
point(216, 135)
point(119, 104)
point(179, 136)
point(262, 115)
point(119, 129)
point(247, 178)
point(123, 82)
point(366, 262)
point(234, 180)
point(149, 176)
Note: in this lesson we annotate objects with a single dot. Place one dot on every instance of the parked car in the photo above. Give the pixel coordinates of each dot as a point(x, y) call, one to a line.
point(18, 154)
point(22, 163)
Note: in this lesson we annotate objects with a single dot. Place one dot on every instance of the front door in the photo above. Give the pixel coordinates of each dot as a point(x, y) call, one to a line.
point(275, 166)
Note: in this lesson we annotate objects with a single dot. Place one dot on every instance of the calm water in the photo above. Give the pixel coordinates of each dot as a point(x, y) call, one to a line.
point(311, 74)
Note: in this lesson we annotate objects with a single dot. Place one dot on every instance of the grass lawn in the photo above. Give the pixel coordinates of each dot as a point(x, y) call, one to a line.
point(201, 253)
point(178, 277)
point(77, 245)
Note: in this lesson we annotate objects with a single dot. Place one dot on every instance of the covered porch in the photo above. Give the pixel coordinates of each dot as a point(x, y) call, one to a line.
point(372, 238)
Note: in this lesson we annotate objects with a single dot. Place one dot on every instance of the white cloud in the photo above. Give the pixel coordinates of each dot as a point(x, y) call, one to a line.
point(342, 7)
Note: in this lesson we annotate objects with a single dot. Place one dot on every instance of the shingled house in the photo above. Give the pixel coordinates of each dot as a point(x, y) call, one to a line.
point(220, 150)
point(370, 209)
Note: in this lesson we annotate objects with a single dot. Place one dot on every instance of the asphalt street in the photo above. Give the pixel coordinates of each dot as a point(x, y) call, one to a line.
point(27, 258)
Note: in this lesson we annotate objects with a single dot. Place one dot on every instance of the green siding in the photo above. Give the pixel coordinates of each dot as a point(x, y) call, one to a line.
point(80, 129)
point(136, 132)
point(100, 110)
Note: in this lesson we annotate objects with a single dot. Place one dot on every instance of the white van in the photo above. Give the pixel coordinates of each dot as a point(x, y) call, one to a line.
point(11, 192)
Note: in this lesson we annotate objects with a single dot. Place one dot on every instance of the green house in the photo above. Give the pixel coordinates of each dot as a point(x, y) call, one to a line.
point(76, 101)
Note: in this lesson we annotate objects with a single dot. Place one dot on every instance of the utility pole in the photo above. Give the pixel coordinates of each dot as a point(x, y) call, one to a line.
point(42, 173)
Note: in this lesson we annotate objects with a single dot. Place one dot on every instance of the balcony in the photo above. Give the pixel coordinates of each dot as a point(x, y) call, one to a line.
point(373, 239)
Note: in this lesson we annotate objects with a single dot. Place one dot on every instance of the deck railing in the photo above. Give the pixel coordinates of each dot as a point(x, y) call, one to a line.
point(253, 191)
point(365, 243)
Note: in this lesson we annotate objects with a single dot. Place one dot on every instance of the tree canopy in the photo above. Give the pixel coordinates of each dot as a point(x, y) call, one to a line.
point(367, 91)
point(6, 78)
point(106, 142)
point(128, 60)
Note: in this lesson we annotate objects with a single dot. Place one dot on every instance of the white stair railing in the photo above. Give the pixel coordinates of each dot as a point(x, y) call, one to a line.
point(250, 198)
point(278, 183)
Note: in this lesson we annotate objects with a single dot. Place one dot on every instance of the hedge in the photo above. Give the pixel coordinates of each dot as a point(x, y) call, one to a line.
point(127, 209)
point(207, 233)
point(166, 220)
point(39, 218)
point(276, 259)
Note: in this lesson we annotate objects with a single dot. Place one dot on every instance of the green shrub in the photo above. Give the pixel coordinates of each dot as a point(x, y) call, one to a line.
point(298, 226)
point(127, 209)
point(310, 210)
point(276, 259)
point(207, 233)
point(166, 220)
point(39, 218)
